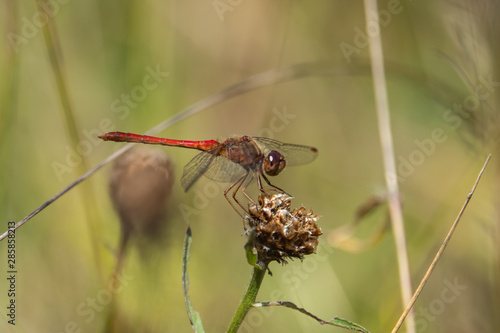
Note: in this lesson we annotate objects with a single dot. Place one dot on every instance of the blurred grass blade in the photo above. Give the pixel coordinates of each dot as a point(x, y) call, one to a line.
point(194, 317)
point(343, 237)
point(9, 94)
point(9, 87)
point(267, 78)
point(387, 145)
point(440, 251)
point(344, 240)
point(337, 321)
point(367, 207)
point(54, 52)
point(55, 56)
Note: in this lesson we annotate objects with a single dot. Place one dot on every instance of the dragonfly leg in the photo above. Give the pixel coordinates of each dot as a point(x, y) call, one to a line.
point(243, 191)
point(259, 184)
point(245, 188)
point(275, 188)
point(238, 185)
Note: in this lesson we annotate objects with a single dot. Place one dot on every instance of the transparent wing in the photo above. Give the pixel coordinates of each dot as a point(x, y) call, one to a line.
point(195, 169)
point(217, 168)
point(224, 171)
point(293, 154)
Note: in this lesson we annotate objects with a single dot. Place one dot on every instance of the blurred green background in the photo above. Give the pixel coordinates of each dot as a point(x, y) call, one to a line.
point(437, 53)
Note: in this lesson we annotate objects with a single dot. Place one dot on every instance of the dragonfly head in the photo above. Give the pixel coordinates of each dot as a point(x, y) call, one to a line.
point(274, 163)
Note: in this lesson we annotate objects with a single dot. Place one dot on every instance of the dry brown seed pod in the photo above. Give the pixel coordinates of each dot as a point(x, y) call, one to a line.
point(140, 184)
point(280, 232)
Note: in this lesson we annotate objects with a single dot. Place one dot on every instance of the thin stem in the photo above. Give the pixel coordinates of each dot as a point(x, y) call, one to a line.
point(249, 298)
point(111, 321)
point(440, 251)
point(382, 103)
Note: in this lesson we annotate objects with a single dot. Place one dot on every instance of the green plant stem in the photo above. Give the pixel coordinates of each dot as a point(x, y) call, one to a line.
point(249, 298)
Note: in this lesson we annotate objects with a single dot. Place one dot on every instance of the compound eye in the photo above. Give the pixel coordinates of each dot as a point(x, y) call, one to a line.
point(274, 163)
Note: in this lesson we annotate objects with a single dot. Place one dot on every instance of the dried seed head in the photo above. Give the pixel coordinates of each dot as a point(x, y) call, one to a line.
point(140, 184)
point(281, 233)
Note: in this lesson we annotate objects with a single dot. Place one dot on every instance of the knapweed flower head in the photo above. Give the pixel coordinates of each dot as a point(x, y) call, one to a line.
point(280, 232)
point(140, 185)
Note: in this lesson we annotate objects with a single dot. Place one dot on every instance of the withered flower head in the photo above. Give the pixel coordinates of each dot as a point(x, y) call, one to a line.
point(280, 232)
point(140, 184)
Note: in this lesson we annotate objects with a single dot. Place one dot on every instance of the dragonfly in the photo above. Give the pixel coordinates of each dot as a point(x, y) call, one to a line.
point(237, 160)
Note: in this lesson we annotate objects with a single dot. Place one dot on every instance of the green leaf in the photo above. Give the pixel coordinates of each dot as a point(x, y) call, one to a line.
point(337, 321)
point(341, 322)
point(194, 317)
point(249, 249)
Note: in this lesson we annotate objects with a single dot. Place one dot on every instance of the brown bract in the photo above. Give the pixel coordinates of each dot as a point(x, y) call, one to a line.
point(280, 232)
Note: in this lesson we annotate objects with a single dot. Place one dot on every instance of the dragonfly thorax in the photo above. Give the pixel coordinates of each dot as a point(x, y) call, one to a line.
point(243, 152)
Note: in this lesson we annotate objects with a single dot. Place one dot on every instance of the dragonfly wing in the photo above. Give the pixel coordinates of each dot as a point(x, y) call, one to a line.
point(293, 154)
point(224, 170)
point(214, 167)
point(195, 169)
